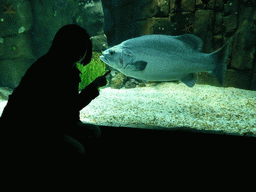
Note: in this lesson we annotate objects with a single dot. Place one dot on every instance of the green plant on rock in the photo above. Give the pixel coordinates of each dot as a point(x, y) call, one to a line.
point(91, 71)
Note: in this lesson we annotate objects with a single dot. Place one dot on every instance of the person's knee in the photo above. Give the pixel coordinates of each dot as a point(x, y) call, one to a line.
point(97, 132)
point(72, 145)
point(90, 131)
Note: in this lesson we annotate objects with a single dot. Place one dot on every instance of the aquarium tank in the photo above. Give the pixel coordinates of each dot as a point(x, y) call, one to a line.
point(174, 64)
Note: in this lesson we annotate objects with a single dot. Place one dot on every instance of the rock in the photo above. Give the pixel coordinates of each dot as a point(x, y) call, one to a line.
point(230, 22)
point(163, 8)
point(118, 81)
point(16, 46)
point(118, 12)
point(113, 72)
point(253, 82)
point(219, 6)
point(243, 54)
point(131, 84)
point(61, 4)
point(12, 70)
point(91, 17)
point(5, 92)
point(215, 22)
point(156, 26)
point(21, 37)
point(141, 84)
point(99, 43)
point(219, 27)
point(237, 78)
point(188, 5)
point(204, 20)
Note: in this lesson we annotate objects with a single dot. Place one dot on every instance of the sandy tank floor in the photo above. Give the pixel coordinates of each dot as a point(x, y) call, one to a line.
point(175, 105)
point(170, 105)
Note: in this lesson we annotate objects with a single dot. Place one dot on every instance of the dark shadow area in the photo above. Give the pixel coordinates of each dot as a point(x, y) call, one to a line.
point(157, 136)
point(155, 153)
point(158, 142)
point(125, 156)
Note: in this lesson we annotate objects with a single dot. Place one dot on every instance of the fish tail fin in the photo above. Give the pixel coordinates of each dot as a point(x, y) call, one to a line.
point(220, 57)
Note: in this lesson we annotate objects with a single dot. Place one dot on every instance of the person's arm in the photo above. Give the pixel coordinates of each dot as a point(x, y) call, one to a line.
point(87, 95)
point(91, 91)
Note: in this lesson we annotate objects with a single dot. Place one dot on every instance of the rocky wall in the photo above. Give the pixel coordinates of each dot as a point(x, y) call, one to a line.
point(27, 28)
point(214, 21)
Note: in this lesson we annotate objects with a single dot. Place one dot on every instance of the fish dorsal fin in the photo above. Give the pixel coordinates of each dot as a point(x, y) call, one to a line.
point(190, 79)
point(192, 41)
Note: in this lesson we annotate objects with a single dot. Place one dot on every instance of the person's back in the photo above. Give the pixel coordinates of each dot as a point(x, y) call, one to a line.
point(34, 119)
point(44, 108)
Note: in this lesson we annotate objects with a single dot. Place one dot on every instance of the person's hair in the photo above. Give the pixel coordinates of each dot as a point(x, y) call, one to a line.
point(70, 44)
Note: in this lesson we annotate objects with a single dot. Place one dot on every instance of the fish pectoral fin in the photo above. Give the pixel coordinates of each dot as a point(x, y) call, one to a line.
point(190, 79)
point(139, 65)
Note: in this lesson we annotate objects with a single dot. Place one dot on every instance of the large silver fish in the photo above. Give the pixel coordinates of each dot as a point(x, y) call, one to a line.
point(166, 58)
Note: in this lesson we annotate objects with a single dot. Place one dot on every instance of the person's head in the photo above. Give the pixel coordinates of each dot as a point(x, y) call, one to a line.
point(72, 44)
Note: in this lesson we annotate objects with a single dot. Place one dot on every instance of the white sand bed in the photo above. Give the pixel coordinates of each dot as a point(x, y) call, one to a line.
point(2, 105)
point(175, 105)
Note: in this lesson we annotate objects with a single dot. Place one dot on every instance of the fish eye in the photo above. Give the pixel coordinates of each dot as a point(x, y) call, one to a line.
point(112, 52)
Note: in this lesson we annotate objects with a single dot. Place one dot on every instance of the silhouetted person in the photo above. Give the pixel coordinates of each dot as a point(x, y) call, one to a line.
point(41, 118)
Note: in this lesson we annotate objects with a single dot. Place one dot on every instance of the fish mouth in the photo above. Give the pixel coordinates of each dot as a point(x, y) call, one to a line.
point(104, 59)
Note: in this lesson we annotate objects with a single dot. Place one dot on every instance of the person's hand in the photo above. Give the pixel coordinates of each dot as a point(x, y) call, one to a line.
point(101, 81)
